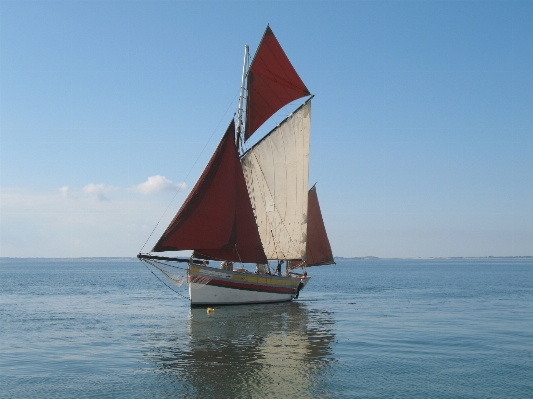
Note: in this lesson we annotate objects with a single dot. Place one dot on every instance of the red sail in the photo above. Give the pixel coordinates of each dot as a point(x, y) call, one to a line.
point(272, 83)
point(217, 218)
point(248, 246)
point(318, 250)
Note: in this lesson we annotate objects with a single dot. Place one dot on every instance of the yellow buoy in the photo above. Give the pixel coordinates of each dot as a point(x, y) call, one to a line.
point(210, 310)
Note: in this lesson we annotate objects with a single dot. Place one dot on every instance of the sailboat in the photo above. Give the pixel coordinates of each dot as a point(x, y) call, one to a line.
point(252, 205)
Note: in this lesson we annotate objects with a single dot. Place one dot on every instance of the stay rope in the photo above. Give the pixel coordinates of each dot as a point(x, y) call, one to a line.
point(145, 262)
point(168, 286)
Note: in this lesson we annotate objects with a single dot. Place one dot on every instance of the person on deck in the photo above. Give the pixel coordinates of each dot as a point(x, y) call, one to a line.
point(260, 268)
point(227, 265)
point(301, 285)
point(278, 269)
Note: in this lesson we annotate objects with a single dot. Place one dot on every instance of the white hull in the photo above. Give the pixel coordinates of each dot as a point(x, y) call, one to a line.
point(209, 286)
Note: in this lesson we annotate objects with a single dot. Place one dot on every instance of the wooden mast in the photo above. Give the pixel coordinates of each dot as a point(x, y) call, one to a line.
point(239, 128)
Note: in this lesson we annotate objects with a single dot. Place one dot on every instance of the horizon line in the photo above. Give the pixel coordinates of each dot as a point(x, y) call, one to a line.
point(369, 257)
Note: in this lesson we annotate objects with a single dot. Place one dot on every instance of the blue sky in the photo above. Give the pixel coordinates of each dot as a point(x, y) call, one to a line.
point(422, 129)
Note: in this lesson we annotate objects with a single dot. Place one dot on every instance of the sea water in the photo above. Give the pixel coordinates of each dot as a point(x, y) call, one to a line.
point(107, 328)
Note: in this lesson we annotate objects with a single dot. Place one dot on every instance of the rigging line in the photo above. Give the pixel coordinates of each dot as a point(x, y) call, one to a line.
point(150, 270)
point(188, 173)
point(277, 243)
point(167, 265)
point(240, 260)
point(270, 223)
point(294, 245)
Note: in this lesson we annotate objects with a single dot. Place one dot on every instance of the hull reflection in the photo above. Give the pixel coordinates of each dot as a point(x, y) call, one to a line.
point(261, 351)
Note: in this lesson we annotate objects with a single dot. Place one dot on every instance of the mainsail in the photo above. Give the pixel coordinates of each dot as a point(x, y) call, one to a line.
point(276, 173)
point(216, 220)
point(272, 83)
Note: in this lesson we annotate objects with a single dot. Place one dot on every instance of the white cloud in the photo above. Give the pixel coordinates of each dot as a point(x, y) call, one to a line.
point(63, 191)
point(156, 184)
point(37, 223)
point(100, 191)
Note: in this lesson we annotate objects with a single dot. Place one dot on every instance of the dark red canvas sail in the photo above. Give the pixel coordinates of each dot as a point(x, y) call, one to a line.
point(217, 217)
point(248, 247)
point(272, 83)
point(318, 249)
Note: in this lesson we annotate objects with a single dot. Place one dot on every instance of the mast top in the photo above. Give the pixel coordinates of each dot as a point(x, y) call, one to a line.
point(239, 129)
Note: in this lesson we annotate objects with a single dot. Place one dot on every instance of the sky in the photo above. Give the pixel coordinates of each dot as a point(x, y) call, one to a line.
point(422, 121)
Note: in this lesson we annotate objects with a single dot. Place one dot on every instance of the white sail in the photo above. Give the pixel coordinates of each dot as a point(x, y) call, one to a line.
point(277, 172)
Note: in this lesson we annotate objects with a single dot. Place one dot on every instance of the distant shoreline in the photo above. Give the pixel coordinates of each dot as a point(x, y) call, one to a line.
point(433, 258)
point(337, 258)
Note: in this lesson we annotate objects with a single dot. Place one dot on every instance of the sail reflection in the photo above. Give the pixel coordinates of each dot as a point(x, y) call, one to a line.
point(281, 350)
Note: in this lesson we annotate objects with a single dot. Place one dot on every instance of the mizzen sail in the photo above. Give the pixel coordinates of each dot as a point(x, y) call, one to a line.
point(272, 83)
point(276, 170)
point(318, 249)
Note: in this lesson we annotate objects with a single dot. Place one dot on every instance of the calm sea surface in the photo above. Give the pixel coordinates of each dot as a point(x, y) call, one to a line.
point(361, 329)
